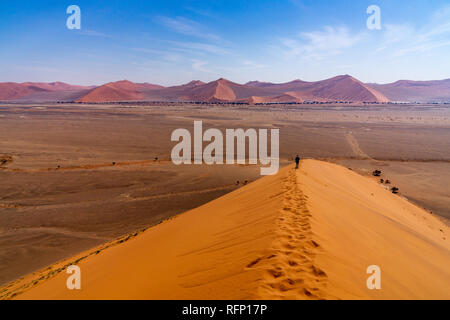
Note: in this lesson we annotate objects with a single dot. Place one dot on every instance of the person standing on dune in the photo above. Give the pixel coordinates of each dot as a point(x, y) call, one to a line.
point(297, 161)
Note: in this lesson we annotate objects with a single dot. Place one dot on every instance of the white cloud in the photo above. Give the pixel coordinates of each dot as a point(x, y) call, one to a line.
point(165, 55)
point(207, 44)
point(252, 64)
point(319, 44)
point(93, 33)
point(187, 27)
point(397, 32)
point(420, 47)
point(198, 65)
point(198, 47)
point(406, 39)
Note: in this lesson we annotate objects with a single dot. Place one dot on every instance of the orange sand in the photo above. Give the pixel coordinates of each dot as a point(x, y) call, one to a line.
point(305, 234)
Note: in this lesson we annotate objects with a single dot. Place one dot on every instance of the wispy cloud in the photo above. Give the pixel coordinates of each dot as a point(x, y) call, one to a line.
point(149, 50)
point(93, 33)
point(38, 69)
point(198, 65)
point(298, 3)
point(207, 14)
point(394, 33)
point(201, 12)
point(207, 43)
point(198, 47)
point(252, 64)
point(163, 54)
point(406, 39)
point(321, 43)
point(187, 27)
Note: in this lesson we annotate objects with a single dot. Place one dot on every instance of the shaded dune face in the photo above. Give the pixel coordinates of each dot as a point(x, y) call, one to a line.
point(112, 93)
point(119, 91)
point(346, 88)
point(212, 92)
point(302, 234)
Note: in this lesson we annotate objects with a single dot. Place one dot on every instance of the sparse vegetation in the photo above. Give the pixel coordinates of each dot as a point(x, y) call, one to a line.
point(376, 173)
point(5, 159)
point(394, 190)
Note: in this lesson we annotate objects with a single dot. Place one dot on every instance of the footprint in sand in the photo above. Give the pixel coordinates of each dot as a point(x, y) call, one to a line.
point(292, 269)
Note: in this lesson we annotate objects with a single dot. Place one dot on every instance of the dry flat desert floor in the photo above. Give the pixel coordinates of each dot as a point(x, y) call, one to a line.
point(76, 177)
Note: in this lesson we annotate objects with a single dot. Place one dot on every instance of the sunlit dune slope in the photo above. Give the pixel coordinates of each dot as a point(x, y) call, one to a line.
point(302, 234)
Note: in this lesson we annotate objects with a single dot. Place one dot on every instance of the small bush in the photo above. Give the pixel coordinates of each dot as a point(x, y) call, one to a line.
point(376, 173)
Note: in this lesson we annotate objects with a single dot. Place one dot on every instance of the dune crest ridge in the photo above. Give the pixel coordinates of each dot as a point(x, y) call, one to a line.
point(302, 234)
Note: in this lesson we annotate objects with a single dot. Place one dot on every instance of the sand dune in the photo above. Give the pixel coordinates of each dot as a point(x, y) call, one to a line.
point(118, 91)
point(416, 91)
point(343, 88)
point(340, 88)
point(33, 90)
point(216, 91)
point(302, 234)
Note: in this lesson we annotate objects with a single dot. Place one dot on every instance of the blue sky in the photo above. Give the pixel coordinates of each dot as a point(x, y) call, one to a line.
point(173, 42)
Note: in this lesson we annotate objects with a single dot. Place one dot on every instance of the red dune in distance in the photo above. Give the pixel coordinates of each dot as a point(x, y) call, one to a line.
point(345, 88)
point(220, 90)
point(119, 91)
point(216, 91)
point(16, 91)
point(342, 88)
point(416, 91)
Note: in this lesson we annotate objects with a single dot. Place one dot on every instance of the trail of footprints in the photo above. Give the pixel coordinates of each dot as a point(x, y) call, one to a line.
point(290, 270)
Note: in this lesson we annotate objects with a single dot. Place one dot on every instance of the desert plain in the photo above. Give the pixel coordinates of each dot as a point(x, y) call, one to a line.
point(76, 176)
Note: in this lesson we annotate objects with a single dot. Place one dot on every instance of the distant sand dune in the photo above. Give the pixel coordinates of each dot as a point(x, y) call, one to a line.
point(302, 234)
